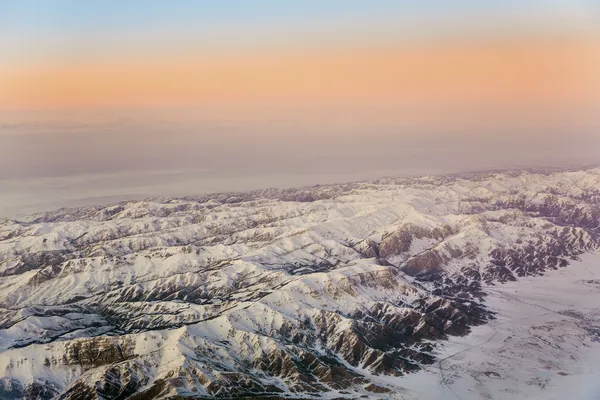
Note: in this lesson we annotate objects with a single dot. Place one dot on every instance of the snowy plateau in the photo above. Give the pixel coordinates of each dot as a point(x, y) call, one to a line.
point(470, 286)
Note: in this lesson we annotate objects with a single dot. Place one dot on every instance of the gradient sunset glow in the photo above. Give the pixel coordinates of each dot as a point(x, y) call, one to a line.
point(350, 53)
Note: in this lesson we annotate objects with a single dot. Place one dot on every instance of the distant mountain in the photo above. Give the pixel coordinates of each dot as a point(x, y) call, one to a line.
point(276, 293)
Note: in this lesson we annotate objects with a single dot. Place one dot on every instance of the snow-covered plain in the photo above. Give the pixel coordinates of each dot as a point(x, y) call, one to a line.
point(544, 344)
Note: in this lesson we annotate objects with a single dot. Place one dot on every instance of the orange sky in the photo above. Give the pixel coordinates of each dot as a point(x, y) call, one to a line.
point(492, 72)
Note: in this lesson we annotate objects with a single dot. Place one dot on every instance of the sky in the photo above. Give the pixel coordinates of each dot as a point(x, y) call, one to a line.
point(230, 55)
point(289, 92)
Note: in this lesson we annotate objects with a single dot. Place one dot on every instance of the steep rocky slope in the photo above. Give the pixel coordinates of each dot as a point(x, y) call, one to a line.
point(304, 292)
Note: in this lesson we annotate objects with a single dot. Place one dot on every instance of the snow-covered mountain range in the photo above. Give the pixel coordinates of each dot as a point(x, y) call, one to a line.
point(304, 293)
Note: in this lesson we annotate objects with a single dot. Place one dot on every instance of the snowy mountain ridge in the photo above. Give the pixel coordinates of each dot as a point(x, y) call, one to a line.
point(303, 293)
